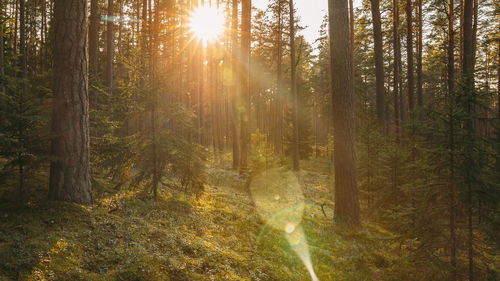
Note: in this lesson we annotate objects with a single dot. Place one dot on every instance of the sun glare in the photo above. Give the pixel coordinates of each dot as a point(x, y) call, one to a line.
point(207, 23)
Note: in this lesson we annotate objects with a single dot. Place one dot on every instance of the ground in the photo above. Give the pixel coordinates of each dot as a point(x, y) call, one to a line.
point(217, 235)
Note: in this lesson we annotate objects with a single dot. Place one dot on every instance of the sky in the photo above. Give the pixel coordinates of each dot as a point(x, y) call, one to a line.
point(311, 13)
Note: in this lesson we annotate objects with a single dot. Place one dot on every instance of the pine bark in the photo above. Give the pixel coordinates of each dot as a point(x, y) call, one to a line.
point(468, 103)
point(379, 61)
point(279, 87)
point(451, 100)
point(2, 63)
point(235, 87)
point(409, 56)
point(24, 89)
point(70, 169)
point(94, 37)
point(396, 64)
point(346, 190)
point(109, 45)
point(245, 83)
point(420, 91)
point(293, 81)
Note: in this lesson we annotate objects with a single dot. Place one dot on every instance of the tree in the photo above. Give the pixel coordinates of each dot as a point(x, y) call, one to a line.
point(246, 16)
point(69, 169)
point(109, 46)
point(293, 81)
point(420, 91)
point(94, 37)
point(396, 65)
point(409, 57)
point(379, 61)
point(468, 101)
point(346, 190)
point(451, 139)
point(278, 142)
point(235, 87)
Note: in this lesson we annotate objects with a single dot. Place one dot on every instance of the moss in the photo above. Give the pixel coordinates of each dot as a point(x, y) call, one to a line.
point(216, 236)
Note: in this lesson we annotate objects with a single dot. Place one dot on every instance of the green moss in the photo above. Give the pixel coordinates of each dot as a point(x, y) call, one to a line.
point(216, 236)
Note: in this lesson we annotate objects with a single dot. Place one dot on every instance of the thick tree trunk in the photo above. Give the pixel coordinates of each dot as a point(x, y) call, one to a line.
point(70, 171)
point(346, 190)
point(293, 81)
point(409, 56)
point(245, 83)
point(379, 61)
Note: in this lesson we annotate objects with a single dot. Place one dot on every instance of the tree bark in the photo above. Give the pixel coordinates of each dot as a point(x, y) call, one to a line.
point(23, 91)
point(293, 81)
point(351, 33)
point(235, 87)
point(2, 63)
point(109, 46)
point(379, 61)
point(69, 170)
point(279, 81)
point(346, 190)
point(245, 83)
point(396, 65)
point(409, 56)
point(420, 91)
point(468, 103)
point(451, 100)
point(94, 38)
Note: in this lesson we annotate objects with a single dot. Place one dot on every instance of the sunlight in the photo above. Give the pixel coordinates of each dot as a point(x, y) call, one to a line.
point(280, 201)
point(207, 23)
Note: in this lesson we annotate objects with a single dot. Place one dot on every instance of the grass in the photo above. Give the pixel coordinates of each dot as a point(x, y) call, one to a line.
point(216, 236)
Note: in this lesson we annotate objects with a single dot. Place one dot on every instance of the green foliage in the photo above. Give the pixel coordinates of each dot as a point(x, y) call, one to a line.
point(24, 118)
point(262, 156)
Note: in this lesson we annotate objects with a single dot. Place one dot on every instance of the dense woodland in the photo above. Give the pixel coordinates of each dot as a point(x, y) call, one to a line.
point(209, 140)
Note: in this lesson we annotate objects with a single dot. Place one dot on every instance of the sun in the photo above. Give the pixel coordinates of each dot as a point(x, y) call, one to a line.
point(207, 23)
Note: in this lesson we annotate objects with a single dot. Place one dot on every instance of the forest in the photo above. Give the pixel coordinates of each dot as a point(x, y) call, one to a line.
point(215, 140)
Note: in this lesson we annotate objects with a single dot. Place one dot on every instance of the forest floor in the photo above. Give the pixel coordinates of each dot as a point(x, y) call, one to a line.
point(217, 235)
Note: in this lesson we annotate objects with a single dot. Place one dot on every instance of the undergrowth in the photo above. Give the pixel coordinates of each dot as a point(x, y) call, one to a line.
point(217, 235)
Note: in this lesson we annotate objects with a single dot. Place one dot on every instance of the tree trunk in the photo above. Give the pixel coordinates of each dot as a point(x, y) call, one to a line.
point(396, 65)
point(279, 86)
point(379, 61)
point(420, 91)
point(235, 87)
point(293, 81)
point(109, 46)
point(451, 100)
point(94, 38)
point(69, 170)
point(246, 15)
point(351, 35)
point(2, 63)
point(409, 56)
point(346, 190)
point(468, 103)
point(23, 91)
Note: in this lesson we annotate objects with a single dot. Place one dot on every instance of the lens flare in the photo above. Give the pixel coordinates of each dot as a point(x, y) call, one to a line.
point(280, 202)
point(207, 23)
